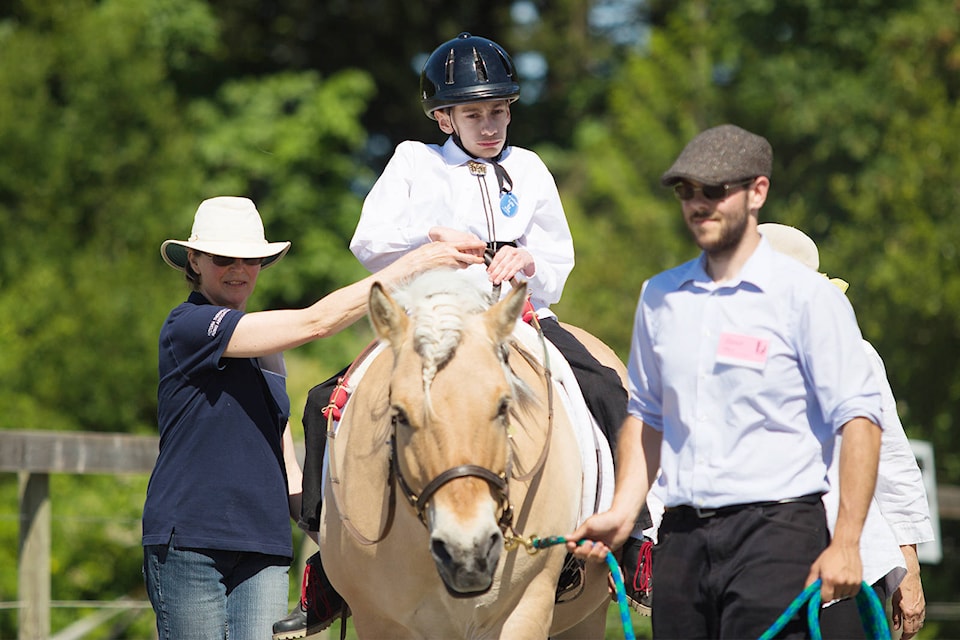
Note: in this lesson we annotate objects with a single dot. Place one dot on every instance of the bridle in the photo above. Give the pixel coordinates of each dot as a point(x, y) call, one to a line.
point(497, 481)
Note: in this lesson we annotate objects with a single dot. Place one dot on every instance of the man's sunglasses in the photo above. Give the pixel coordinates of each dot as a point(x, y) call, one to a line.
point(686, 191)
point(224, 261)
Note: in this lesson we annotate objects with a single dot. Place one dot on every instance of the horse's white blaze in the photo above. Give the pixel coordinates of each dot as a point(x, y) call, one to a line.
point(466, 550)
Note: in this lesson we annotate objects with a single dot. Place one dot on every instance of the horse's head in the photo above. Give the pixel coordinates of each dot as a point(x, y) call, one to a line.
point(451, 393)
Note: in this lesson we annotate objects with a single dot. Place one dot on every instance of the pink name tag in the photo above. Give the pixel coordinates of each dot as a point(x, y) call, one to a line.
point(741, 350)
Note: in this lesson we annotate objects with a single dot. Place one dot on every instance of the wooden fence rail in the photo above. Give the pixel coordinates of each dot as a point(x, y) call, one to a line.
point(34, 455)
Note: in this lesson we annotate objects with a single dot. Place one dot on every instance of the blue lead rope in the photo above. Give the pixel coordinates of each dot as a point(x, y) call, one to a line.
point(872, 615)
point(614, 566)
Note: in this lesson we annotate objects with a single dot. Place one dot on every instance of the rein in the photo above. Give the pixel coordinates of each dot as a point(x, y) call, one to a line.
point(872, 616)
point(335, 484)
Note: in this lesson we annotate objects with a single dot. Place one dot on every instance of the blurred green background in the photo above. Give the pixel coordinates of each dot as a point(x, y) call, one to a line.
point(117, 117)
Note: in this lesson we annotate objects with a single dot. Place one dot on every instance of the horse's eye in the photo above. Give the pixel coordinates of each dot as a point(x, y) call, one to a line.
point(503, 411)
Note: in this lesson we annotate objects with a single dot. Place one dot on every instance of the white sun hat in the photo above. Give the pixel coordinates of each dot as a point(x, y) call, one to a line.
point(793, 242)
point(798, 245)
point(225, 226)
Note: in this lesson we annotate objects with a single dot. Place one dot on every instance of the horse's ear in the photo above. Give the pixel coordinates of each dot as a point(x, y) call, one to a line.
point(502, 317)
point(388, 318)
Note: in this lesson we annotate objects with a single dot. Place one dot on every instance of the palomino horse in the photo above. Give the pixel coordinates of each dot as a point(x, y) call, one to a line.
point(451, 440)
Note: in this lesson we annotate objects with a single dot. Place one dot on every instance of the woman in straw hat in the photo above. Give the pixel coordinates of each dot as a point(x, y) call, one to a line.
point(216, 522)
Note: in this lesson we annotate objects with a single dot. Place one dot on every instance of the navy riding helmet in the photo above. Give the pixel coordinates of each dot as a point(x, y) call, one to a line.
point(467, 69)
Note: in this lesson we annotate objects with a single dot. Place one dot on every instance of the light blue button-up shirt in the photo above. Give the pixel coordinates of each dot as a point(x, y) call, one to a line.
point(748, 379)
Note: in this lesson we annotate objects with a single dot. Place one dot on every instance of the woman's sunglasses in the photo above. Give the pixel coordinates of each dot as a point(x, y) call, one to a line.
point(686, 191)
point(224, 261)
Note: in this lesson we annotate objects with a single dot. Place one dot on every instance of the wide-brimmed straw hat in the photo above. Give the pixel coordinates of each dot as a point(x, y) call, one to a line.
point(799, 246)
point(225, 226)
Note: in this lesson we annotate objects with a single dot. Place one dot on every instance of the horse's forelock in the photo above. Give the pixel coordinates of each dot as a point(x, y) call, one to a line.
point(471, 293)
point(439, 303)
point(436, 333)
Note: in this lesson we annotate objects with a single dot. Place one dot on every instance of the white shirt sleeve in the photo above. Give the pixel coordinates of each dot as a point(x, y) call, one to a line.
point(547, 236)
point(387, 228)
point(900, 492)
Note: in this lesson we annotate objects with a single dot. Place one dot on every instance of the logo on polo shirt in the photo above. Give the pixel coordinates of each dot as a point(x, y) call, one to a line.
point(215, 323)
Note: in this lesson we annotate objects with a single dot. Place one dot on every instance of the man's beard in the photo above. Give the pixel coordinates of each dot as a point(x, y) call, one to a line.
point(730, 235)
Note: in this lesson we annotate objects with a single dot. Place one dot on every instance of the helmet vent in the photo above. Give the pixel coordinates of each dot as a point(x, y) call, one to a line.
point(480, 66)
point(449, 66)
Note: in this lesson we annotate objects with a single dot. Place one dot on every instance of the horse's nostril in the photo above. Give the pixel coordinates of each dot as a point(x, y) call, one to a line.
point(496, 539)
point(439, 550)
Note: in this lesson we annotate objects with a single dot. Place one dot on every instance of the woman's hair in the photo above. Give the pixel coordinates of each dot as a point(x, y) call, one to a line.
point(193, 278)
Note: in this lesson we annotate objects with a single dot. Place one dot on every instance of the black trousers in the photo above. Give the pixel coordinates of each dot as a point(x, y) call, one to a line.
point(732, 575)
point(604, 394)
point(842, 620)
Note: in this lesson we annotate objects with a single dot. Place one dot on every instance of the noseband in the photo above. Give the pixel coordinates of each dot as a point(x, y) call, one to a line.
point(498, 481)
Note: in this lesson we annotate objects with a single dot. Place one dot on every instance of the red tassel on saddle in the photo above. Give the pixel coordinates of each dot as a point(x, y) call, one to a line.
point(528, 312)
point(338, 398)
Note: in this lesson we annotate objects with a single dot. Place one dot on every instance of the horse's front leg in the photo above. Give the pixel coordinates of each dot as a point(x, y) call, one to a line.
point(533, 615)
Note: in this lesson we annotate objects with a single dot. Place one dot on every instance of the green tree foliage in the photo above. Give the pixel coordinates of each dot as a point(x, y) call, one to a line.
point(291, 141)
point(119, 116)
point(94, 152)
point(860, 103)
point(387, 39)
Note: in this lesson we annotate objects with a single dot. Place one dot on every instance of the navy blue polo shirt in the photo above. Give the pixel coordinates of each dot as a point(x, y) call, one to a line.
point(219, 481)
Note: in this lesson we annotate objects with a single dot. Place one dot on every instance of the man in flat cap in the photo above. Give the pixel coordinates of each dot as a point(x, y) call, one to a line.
point(744, 366)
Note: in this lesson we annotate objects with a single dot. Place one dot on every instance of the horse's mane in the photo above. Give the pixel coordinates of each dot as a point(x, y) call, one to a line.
point(439, 303)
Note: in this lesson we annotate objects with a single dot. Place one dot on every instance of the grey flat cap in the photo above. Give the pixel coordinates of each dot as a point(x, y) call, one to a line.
point(721, 155)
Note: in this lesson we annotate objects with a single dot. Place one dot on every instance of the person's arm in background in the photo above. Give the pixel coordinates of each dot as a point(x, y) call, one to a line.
point(265, 332)
point(294, 478)
point(909, 605)
point(839, 567)
point(902, 499)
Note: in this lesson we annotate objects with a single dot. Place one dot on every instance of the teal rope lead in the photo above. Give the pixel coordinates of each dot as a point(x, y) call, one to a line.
point(872, 615)
point(614, 567)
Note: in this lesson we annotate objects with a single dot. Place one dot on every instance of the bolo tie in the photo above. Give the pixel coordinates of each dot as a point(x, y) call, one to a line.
point(508, 201)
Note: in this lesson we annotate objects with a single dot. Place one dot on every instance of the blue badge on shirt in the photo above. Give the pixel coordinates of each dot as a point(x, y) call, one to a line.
point(509, 204)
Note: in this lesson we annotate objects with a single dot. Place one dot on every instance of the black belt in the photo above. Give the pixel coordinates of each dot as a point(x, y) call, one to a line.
point(709, 512)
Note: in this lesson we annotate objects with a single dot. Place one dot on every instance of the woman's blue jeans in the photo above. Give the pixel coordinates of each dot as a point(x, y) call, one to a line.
point(204, 594)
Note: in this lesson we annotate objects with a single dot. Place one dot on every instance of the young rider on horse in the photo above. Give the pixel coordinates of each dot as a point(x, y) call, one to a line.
point(480, 191)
